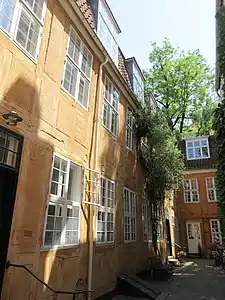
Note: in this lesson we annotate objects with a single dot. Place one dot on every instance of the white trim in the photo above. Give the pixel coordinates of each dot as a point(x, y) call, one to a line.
point(197, 189)
point(200, 139)
point(111, 108)
point(130, 215)
point(200, 171)
point(212, 189)
point(107, 210)
point(219, 229)
point(20, 6)
point(64, 202)
point(77, 66)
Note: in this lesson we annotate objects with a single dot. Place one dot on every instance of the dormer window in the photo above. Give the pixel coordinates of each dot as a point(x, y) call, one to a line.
point(197, 149)
point(136, 78)
point(108, 30)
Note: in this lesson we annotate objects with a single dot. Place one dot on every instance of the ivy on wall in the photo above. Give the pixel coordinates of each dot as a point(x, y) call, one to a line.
point(219, 123)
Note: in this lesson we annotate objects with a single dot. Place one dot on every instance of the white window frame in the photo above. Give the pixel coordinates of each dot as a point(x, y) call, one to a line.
point(193, 147)
point(64, 202)
point(191, 190)
point(77, 66)
point(130, 215)
point(111, 107)
point(106, 209)
point(108, 25)
point(130, 131)
point(213, 189)
point(215, 233)
point(19, 6)
point(146, 220)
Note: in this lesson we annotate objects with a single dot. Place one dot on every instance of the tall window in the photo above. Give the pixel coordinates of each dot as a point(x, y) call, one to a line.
point(211, 189)
point(131, 131)
point(108, 31)
point(110, 109)
point(63, 214)
point(191, 191)
point(106, 212)
point(129, 215)
point(215, 231)
point(197, 149)
point(138, 85)
point(77, 70)
point(146, 218)
point(23, 22)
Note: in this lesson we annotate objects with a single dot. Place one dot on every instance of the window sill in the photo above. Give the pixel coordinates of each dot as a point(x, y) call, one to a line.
point(34, 60)
point(58, 248)
point(196, 202)
point(197, 158)
point(130, 242)
point(212, 201)
point(104, 246)
point(114, 137)
point(131, 151)
point(74, 99)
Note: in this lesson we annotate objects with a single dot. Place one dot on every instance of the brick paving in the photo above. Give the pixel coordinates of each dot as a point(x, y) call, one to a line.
point(196, 280)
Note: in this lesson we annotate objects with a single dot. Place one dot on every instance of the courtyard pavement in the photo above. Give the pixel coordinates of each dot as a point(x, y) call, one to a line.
point(197, 279)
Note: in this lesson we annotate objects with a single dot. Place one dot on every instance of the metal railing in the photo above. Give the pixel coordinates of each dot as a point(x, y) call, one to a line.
point(56, 292)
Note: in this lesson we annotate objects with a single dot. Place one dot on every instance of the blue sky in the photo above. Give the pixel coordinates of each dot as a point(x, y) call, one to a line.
point(188, 24)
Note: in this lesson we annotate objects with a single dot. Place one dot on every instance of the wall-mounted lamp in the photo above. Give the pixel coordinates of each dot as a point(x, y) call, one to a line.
point(12, 118)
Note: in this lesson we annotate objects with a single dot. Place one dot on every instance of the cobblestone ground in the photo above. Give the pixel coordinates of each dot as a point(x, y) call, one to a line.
point(197, 279)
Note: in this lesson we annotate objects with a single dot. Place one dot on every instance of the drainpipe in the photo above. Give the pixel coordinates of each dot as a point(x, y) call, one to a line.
point(91, 235)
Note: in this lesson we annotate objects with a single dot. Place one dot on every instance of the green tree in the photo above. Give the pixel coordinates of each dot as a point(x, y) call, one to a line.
point(183, 85)
point(161, 158)
point(219, 124)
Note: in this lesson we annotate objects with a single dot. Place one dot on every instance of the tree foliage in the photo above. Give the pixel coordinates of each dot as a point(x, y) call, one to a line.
point(161, 157)
point(183, 86)
point(220, 125)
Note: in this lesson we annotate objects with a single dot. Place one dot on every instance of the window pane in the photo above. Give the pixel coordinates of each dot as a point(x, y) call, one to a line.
point(205, 152)
point(36, 6)
point(6, 13)
point(28, 32)
point(190, 153)
point(70, 78)
point(83, 91)
point(86, 63)
point(74, 47)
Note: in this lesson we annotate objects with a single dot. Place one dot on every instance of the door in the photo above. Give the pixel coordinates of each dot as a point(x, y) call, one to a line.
point(193, 236)
point(10, 153)
point(168, 238)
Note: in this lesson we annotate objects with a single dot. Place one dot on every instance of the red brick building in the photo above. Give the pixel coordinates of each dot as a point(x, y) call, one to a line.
point(196, 204)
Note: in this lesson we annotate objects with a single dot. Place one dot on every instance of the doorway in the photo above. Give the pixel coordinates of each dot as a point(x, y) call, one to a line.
point(168, 238)
point(194, 237)
point(10, 155)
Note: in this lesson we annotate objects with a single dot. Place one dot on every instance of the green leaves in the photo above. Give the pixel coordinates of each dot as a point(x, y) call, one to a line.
point(219, 126)
point(182, 84)
point(162, 158)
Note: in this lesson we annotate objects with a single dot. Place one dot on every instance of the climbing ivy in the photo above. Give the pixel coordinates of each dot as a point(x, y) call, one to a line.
point(161, 158)
point(219, 123)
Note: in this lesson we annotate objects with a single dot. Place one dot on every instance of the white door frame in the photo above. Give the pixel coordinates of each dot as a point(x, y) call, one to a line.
point(200, 240)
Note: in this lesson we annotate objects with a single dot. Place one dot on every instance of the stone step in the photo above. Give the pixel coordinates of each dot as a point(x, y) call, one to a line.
point(174, 261)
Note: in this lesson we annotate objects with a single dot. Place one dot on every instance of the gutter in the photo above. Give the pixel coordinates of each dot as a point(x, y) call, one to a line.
point(91, 207)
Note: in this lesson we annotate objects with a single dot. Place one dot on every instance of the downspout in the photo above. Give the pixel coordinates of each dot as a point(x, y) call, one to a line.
point(91, 208)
